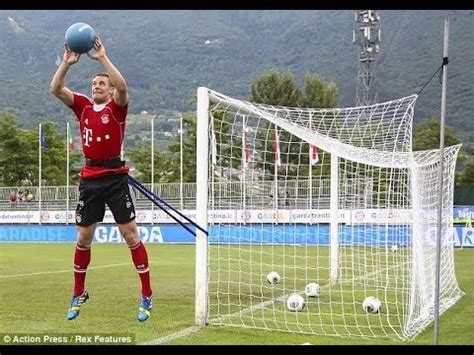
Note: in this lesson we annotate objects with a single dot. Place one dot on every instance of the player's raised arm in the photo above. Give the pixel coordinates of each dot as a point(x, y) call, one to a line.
point(116, 78)
point(58, 83)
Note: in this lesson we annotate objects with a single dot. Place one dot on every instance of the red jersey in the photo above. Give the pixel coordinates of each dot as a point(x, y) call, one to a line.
point(102, 130)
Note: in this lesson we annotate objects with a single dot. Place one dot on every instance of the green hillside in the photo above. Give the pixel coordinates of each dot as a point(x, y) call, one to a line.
point(166, 55)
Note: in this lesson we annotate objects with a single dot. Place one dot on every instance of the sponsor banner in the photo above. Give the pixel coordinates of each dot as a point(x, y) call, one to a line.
point(103, 234)
point(58, 217)
point(273, 234)
point(13, 217)
point(222, 216)
point(148, 234)
point(159, 216)
point(163, 217)
point(262, 216)
point(464, 237)
point(381, 216)
point(152, 216)
point(317, 216)
point(463, 214)
point(36, 233)
point(228, 234)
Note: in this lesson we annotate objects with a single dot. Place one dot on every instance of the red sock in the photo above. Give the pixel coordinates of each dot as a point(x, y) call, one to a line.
point(140, 259)
point(82, 257)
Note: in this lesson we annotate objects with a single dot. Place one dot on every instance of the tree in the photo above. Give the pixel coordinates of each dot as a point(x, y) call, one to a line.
point(167, 169)
point(54, 157)
point(189, 152)
point(275, 88)
point(280, 89)
point(426, 135)
point(466, 178)
point(271, 88)
point(18, 153)
point(140, 156)
point(318, 93)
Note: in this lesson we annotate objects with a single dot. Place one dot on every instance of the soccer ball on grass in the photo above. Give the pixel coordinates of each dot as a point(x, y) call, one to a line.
point(371, 305)
point(273, 277)
point(312, 290)
point(295, 302)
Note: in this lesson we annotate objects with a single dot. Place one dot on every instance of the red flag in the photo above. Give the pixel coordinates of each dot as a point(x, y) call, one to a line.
point(71, 144)
point(213, 148)
point(313, 154)
point(276, 148)
point(213, 143)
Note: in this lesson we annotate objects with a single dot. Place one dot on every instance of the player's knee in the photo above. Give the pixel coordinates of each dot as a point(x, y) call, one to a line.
point(130, 233)
point(85, 241)
point(131, 238)
point(85, 235)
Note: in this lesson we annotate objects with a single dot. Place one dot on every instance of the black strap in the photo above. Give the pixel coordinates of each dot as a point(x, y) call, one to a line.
point(112, 163)
point(445, 62)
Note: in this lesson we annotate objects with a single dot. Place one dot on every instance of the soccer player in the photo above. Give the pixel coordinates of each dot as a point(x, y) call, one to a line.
point(104, 178)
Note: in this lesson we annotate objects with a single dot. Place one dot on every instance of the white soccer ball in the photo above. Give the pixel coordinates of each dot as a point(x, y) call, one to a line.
point(394, 248)
point(295, 302)
point(273, 277)
point(312, 290)
point(371, 305)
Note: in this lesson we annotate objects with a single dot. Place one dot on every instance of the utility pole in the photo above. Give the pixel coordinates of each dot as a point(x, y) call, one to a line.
point(181, 162)
point(367, 36)
point(440, 182)
point(152, 154)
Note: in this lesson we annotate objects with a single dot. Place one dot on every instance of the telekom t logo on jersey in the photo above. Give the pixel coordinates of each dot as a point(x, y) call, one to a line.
point(87, 136)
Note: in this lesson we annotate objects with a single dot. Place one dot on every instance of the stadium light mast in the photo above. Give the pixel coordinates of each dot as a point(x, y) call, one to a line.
point(367, 36)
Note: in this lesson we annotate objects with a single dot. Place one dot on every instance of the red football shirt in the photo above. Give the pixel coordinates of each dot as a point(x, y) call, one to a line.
point(102, 129)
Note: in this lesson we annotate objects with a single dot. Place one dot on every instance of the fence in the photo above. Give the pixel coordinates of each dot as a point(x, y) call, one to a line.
point(227, 194)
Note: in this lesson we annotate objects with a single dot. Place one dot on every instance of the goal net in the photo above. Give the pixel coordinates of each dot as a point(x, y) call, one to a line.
point(334, 197)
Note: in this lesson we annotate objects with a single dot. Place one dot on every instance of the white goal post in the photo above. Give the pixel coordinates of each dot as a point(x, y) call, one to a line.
point(334, 197)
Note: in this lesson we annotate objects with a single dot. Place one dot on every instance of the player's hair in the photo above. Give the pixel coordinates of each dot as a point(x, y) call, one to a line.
point(103, 74)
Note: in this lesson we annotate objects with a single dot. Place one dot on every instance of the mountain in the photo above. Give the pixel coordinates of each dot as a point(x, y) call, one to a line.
point(165, 55)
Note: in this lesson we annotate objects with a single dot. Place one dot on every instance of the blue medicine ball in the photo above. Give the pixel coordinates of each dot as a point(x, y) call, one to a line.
point(80, 37)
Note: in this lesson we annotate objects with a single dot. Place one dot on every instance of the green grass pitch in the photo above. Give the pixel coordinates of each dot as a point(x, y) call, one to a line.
point(36, 300)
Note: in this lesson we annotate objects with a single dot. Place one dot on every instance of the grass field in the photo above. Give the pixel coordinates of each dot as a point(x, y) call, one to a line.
point(35, 301)
point(241, 296)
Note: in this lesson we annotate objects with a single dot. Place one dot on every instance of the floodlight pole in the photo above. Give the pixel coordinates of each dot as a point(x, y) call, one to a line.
point(440, 181)
point(367, 36)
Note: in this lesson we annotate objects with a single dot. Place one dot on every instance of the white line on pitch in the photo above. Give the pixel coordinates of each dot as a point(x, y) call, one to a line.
point(61, 271)
point(180, 333)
